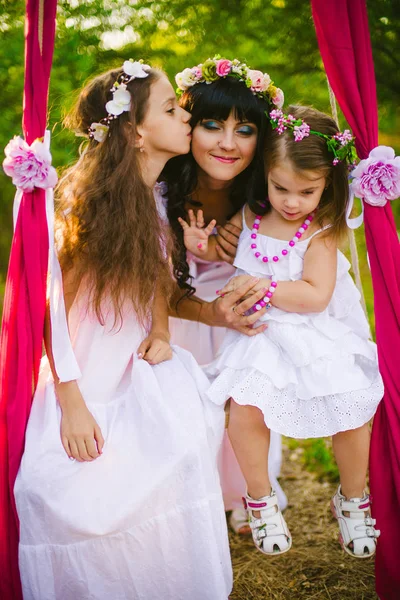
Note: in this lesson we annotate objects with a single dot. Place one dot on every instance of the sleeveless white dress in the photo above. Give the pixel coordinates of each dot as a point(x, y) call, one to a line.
point(311, 375)
point(145, 521)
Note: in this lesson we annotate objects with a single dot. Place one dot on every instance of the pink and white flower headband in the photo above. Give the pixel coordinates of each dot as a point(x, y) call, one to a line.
point(121, 101)
point(341, 144)
point(214, 68)
point(375, 180)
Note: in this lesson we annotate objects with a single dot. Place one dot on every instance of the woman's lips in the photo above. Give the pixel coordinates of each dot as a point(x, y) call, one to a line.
point(225, 159)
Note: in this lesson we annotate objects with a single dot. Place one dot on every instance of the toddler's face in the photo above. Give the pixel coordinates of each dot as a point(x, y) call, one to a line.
point(223, 149)
point(294, 194)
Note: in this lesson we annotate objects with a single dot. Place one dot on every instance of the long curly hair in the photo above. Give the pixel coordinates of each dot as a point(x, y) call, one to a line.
point(110, 230)
point(214, 101)
point(312, 154)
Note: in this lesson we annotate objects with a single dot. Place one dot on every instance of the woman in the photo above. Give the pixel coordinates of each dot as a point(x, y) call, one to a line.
point(224, 169)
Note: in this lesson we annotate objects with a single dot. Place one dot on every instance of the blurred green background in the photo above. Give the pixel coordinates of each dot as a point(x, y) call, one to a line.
point(277, 36)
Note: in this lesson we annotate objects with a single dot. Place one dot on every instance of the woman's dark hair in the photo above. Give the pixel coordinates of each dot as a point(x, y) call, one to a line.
point(214, 101)
point(312, 154)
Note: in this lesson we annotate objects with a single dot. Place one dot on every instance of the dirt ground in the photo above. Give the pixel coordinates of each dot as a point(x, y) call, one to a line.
point(316, 568)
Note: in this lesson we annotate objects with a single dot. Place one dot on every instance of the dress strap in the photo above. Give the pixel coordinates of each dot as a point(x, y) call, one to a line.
point(318, 231)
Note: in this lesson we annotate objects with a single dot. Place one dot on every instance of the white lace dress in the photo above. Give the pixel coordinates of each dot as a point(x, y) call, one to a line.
point(312, 375)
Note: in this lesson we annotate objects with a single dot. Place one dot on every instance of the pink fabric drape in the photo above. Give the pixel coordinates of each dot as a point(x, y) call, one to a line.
point(25, 296)
point(344, 41)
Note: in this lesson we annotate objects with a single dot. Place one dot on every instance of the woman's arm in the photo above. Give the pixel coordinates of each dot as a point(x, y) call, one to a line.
point(223, 312)
point(81, 437)
point(314, 291)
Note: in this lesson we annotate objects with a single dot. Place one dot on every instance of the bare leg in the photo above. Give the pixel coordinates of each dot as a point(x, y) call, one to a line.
point(351, 450)
point(250, 440)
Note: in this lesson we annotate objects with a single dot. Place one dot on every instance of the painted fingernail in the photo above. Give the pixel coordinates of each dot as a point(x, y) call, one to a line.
point(140, 355)
point(217, 291)
point(222, 295)
point(199, 246)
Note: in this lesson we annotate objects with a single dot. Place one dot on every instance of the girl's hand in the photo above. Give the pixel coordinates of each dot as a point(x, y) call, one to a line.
point(195, 234)
point(227, 242)
point(155, 348)
point(81, 437)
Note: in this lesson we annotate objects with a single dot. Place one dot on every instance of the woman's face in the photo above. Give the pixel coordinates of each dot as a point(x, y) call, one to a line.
point(165, 129)
point(223, 149)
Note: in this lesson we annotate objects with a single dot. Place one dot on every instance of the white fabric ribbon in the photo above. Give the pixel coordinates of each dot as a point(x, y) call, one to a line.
point(65, 362)
point(356, 221)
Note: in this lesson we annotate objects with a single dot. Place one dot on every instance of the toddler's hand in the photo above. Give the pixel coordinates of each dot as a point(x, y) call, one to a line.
point(155, 348)
point(195, 234)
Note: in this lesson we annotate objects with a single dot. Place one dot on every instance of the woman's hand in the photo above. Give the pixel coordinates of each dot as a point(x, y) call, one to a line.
point(227, 242)
point(81, 437)
point(229, 311)
point(234, 283)
point(195, 234)
point(155, 348)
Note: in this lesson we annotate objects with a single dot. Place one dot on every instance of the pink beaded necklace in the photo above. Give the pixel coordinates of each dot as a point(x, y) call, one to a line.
point(285, 251)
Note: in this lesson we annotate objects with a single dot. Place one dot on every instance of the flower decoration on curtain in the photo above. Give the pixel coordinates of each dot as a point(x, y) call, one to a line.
point(376, 179)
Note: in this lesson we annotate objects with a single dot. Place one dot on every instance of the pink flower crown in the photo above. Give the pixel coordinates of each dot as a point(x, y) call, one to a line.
point(341, 144)
point(214, 68)
point(121, 101)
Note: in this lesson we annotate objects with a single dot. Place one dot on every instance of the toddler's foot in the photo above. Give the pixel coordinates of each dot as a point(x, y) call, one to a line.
point(239, 521)
point(357, 532)
point(270, 532)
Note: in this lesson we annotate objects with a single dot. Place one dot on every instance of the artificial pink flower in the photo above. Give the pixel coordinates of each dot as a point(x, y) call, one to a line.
point(223, 67)
point(197, 72)
point(377, 178)
point(258, 82)
point(278, 98)
point(29, 166)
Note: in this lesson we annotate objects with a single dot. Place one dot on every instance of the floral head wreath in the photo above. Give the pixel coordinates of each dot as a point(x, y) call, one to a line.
point(341, 144)
point(121, 101)
point(214, 68)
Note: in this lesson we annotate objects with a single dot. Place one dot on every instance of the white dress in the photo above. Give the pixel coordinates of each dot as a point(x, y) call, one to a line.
point(145, 521)
point(311, 375)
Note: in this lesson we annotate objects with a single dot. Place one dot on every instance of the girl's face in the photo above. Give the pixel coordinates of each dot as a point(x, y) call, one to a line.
point(293, 194)
point(223, 149)
point(165, 129)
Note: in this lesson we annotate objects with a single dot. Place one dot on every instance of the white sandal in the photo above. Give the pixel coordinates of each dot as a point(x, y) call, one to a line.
point(357, 528)
point(270, 533)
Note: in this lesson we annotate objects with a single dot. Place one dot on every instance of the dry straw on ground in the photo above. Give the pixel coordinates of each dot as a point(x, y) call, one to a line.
point(316, 568)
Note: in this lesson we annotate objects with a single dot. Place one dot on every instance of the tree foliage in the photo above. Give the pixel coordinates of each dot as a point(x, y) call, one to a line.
point(276, 36)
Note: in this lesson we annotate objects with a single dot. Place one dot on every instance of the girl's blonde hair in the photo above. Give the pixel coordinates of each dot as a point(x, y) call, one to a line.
point(110, 227)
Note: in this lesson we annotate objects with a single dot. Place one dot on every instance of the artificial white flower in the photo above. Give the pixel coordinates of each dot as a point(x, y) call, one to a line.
point(121, 101)
point(99, 131)
point(185, 79)
point(136, 69)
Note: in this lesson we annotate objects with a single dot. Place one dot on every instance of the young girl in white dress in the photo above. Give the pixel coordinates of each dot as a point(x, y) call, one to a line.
point(228, 117)
point(314, 371)
point(137, 513)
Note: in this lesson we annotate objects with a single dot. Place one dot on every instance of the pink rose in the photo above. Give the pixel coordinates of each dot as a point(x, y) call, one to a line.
point(29, 166)
point(197, 72)
point(223, 67)
point(278, 98)
point(257, 80)
point(377, 178)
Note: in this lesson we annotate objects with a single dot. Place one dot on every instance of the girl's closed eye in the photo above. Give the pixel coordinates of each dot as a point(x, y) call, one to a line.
point(171, 111)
